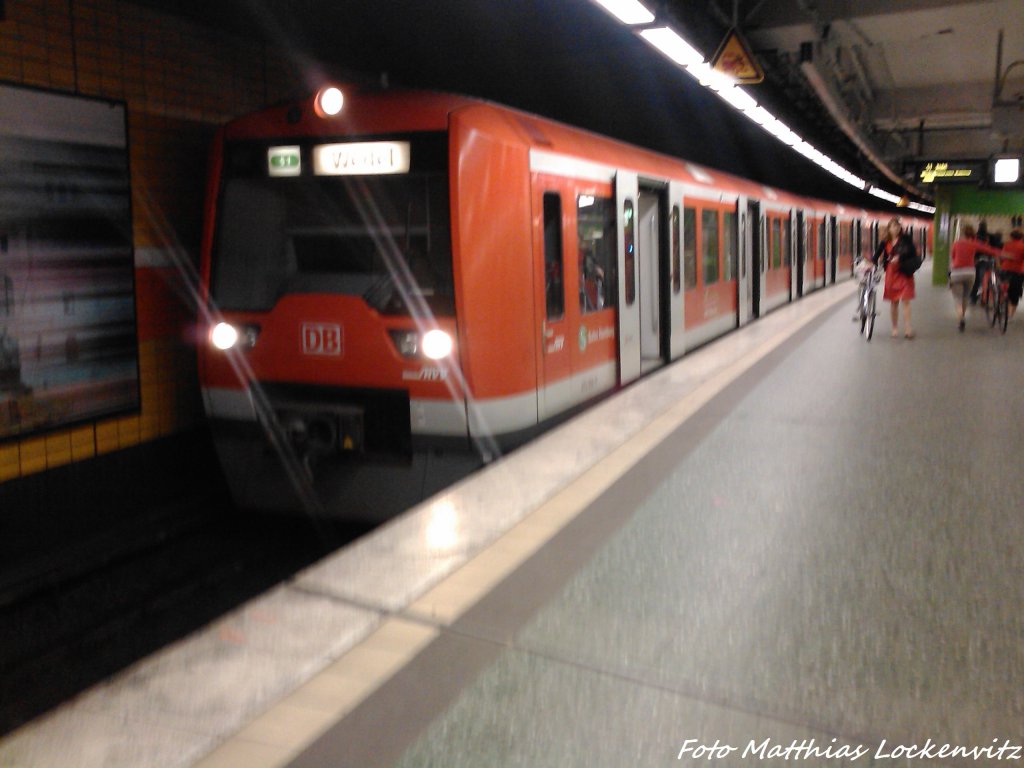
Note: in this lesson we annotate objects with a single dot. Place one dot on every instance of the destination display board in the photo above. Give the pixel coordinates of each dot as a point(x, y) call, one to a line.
point(950, 172)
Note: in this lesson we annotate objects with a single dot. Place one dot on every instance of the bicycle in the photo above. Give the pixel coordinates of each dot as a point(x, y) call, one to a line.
point(994, 295)
point(866, 306)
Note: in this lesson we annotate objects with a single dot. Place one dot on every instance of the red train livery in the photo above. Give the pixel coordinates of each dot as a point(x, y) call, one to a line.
point(397, 275)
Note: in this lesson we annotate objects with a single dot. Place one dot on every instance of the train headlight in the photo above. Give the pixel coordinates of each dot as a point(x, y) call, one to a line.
point(437, 344)
point(224, 336)
point(329, 101)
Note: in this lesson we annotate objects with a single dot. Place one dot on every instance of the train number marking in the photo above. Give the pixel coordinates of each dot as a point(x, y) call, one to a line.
point(322, 339)
point(427, 373)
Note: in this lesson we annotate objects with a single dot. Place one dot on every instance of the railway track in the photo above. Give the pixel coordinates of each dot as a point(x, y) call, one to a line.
point(75, 615)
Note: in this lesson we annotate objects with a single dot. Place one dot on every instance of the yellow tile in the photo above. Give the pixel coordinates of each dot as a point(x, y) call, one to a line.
point(33, 456)
point(128, 431)
point(10, 461)
point(106, 437)
point(58, 449)
point(149, 428)
point(83, 450)
point(9, 471)
point(83, 436)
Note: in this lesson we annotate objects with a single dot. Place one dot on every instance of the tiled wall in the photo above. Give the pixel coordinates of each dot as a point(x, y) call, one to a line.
point(179, 81)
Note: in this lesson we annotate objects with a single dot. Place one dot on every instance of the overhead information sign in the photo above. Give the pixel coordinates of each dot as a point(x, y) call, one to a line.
point(735, 59)
point(950, 172)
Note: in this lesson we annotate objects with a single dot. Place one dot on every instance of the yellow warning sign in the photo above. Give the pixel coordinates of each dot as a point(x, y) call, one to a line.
point(735, 59)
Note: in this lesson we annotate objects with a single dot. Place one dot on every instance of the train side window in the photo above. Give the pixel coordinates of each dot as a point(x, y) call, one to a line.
point(784, 239)
point(7, 297)
point(709, 244)
point(677, 272)
point(690, 246)
point(776, 243)
point(728, 245)
point(595, 231)
point(629, 244)
point(821, 241)
point(554, 286)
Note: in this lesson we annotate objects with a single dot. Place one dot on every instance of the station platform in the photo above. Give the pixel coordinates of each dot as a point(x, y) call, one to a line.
point(791, 547)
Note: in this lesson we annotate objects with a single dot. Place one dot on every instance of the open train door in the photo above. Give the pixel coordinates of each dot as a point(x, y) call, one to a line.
point(750, 280)
point(744, 280)
point(677, 325)
point(628, 306)
point(794, 265)
point(800, 255)
point(831, 248)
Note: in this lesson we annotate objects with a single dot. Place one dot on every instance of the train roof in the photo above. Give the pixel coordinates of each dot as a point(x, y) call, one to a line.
point(376, 111)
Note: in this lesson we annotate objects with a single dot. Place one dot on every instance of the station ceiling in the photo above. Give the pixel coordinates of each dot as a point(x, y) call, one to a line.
point(874, 83)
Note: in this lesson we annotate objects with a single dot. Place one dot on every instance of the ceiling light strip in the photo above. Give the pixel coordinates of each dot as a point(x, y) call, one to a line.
point(673, 46)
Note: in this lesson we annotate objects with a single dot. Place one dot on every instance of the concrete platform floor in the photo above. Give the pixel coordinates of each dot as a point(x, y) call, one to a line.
point(827, 557)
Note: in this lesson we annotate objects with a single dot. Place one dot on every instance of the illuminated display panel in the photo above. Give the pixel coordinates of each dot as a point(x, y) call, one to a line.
point(373, 158)
point(950, 172)
point(68, 342)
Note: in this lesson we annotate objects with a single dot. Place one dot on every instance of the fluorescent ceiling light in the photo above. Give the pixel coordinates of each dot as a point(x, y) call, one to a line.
point(669, 43)
point(883, 194)
point(740, 99)
point(710, 78)
point(1007, 170)
point(673, 46)
point(777, 128)
point(760, 115)
point(627, 11)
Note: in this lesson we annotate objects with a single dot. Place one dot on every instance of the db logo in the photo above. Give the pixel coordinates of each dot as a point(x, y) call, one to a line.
point(321, 339)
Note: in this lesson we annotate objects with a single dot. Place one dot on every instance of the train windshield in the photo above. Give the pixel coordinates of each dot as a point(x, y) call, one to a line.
point(283, 228)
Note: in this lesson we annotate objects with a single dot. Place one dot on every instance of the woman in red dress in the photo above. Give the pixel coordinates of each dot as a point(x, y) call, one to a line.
point(899, 286)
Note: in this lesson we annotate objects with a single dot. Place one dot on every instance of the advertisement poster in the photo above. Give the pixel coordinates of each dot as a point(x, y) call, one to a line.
point(68, 349)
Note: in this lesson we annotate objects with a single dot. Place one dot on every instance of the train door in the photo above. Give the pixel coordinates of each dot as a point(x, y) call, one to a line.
point(760, 230)
point(556, 365)
point(628, 308)
point(789, 258)
point(831, 251)
point(650, 245)
point(676, 325)
point(751, 275)
point(744, 279)
point(799, 255)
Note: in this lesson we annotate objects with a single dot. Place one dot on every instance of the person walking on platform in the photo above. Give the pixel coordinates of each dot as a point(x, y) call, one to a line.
point(1013, 263)
point(962, 270)
point(900, 260)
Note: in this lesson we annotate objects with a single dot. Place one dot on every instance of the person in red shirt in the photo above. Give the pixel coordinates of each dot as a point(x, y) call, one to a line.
point(961, 269)
point(1013, 264)
point(899, 286)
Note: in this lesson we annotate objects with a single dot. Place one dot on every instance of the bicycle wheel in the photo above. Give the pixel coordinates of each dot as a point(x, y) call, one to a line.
point(1004, 308)
point(869, 317)
point(991, 299)
point(862, 309)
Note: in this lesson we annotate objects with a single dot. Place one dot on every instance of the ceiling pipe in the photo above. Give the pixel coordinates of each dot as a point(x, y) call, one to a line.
point(824, 93)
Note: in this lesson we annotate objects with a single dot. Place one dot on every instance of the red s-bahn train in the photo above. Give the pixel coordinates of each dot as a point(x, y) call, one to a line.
point(396, 277)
